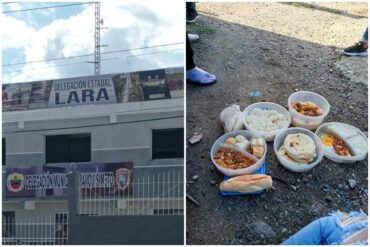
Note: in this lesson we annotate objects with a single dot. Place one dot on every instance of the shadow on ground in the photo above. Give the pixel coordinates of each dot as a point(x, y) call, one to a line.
point(246, 59)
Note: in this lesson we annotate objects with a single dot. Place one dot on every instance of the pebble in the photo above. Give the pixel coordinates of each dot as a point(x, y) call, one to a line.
point(213, 182)
point(195, 177)
point(328, 198)
point(352, 183)
point(262, 230)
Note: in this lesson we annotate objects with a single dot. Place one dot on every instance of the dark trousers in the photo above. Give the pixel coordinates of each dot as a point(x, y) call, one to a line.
point(190, 6)
point(189, 55)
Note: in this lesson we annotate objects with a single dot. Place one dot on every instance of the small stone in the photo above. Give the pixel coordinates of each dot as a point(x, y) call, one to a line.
point(261, 229)
point(213, 182)
point(328, 198)
point(294, 188)
point(196, 138)
point(352, 183)
point(195, 177)
point(284, 230)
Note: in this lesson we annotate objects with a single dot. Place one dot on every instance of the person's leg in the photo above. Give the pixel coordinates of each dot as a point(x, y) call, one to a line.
point(189, 55)
point(191, 6)
point(322, 231)
point(358, 49)
point(193, 73)
point(365, 37)
point(191, 12)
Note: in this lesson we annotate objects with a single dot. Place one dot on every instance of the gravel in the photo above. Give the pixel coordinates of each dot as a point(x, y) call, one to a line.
point(276, 49)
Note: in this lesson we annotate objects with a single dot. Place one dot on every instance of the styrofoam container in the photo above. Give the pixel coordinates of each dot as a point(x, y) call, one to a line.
point(307, 122)
point(220, 142)
point(330, 152)
point(268, 136)
point(279, 141)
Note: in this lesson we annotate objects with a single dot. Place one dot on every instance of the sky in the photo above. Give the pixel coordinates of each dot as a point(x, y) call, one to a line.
point(51, 33)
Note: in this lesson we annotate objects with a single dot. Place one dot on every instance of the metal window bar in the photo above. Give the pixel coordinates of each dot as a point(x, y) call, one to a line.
point(39, 230)
point(159, 193)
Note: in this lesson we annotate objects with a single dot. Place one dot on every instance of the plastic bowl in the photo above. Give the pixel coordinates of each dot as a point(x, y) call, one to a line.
point(332, 155)
point(279, 140)
point(268, 136)
point(249, 170)
point(307, 122)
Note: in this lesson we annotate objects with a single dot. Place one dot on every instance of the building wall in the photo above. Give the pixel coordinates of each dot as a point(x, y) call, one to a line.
point(115, 136)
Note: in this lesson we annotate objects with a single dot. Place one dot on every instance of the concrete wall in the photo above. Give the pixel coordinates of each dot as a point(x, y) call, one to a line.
point(126, 230)
point(116, 134)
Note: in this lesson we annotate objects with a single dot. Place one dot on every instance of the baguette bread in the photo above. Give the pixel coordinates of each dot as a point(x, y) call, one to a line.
point(247, 183)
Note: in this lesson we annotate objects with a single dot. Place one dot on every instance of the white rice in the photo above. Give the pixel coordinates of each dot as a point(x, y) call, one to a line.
point(266, 120)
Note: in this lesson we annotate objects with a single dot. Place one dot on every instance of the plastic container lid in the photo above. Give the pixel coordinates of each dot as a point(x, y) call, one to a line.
point(268, 136)
point(307, 122)
point(330, 153)
point(220, 142)
point(279, 141)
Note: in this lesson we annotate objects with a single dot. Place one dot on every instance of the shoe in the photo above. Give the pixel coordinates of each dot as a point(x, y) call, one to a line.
point(193, 37)
point(200, 77)
point(356, 50)
point(191, 15)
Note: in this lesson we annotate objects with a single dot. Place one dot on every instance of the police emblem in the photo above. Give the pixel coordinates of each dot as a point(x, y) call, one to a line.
point(15, 182)
point(123, 178)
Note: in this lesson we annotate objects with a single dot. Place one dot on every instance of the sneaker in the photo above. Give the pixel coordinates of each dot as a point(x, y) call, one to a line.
point(193, 37)
point(191, 15)
point(356, 50)
point(200, 77)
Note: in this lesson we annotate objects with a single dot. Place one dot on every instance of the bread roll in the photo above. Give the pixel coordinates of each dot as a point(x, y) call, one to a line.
point(341, 131)
point(357, 145)
point(354, 141)
point(300, 147)
point(247, 183)
point(230, 141)
point(258, 147)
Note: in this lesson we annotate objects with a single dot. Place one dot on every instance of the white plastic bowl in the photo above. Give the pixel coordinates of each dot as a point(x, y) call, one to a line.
point(268, 136)
point(320, 132)
point(279, 141)
point(307, 122)
point(220, 142)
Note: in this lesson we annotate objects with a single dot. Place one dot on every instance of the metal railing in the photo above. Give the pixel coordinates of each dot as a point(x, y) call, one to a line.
point(154, 194)
point(41, 230)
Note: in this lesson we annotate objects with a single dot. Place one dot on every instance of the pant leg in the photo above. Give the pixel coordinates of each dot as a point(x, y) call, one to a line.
point(320, 232)
point(364, 37)
point(189, 55)
point(190, 6)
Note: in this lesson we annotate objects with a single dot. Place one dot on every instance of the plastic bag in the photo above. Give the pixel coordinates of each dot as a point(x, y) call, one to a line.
point(231, 118)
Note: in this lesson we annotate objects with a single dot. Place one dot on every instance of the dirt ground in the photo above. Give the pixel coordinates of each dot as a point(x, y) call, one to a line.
point(277, 49)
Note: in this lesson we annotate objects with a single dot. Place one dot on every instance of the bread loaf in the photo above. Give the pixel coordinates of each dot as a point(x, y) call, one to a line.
point(258, 147)
point(247, 183)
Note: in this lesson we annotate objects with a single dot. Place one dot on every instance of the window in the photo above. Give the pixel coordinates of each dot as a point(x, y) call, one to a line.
point(3, 152)
point(168, 143)
point(68, 148)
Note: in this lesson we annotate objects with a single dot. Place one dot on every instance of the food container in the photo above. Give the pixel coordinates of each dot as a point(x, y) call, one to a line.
point(221, 143)
point(268, 136)
point(279, 140)
point(262, 170)
point(330, 153)
point(307, 122)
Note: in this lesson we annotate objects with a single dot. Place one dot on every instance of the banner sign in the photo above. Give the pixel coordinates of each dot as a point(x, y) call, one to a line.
point(82, 91)
point(94, 90)
point(52, 180)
